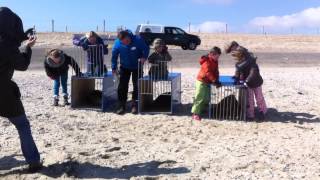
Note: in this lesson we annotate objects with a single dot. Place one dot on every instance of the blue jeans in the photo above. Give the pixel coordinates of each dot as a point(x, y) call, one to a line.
point(63, 81)
point(28, 146)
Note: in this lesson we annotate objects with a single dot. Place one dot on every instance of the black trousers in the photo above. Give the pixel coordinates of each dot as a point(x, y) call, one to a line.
point(10, 103)
point(125, 75)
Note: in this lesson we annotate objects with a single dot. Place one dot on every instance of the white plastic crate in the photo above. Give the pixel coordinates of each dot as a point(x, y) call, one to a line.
point(229, 102)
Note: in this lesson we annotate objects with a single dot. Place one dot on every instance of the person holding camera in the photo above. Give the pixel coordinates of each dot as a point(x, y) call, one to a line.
point(11, 59)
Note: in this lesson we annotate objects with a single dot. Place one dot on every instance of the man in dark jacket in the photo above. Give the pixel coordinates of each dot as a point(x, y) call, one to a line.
point(132, 51)
point(11, 59)
point(57, 65)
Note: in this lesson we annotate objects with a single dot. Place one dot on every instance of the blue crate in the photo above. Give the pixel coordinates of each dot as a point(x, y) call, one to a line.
point(227, 80)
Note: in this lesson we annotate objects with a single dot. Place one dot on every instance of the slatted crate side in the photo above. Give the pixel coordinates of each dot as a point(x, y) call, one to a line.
point(228, 103)
point(91, 60)
point(157, 88)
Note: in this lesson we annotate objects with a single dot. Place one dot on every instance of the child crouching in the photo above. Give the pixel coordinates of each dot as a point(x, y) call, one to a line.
point(208, 75)
point(57, 65)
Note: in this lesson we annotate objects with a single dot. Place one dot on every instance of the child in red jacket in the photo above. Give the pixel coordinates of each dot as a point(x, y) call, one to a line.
point(208, 74)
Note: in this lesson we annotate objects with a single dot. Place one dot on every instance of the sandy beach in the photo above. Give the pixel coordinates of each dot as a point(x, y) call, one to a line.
point(90, 144)
point(83, 144)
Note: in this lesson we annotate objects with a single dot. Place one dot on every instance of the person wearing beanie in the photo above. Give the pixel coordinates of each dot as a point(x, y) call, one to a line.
point(57, 64)
point(208, 75)
point(158, 60)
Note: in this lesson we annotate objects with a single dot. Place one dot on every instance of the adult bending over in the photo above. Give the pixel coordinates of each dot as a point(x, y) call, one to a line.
point(132, 51)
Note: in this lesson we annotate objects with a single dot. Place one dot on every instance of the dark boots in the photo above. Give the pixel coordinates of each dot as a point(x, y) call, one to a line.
point(121, 109)
point(56, 101)
point(65, 100)
point(134, 108)
point(35, 167)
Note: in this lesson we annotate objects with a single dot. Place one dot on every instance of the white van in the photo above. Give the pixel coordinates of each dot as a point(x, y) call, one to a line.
point(149, 28)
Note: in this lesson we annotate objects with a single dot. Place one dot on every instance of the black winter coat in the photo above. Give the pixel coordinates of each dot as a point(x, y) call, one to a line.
point(11, 59)
point(54, 71)
point(248, 70)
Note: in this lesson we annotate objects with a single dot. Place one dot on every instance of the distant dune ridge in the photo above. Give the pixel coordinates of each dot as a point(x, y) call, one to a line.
point(258, 43)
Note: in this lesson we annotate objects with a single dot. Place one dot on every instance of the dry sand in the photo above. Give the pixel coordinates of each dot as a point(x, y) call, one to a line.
point(256, 43)
point(89, 144)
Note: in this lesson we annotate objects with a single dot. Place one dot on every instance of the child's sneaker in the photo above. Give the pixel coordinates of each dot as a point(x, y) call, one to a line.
point(196, 117)
point(65, 100)
point(56, 101)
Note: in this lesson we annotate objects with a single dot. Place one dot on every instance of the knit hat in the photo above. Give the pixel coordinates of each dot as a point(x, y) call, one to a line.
point(158, 43)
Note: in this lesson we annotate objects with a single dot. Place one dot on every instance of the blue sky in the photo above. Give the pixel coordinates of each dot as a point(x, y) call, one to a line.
point(278, 16)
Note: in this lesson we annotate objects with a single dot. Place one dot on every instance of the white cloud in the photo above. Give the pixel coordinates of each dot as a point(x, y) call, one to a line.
point(308, 18)
point(208, 27)
point(213, 1)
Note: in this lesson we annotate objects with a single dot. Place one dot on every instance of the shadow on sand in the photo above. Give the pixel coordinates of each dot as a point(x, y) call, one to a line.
point(87, 170)
point(291, 117)
point(10, 162)
point(273, 115)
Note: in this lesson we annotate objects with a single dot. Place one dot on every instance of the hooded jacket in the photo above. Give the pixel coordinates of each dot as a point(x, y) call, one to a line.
point(11, 37)
point(248, 71)
point(11, 31)
point(129, 54)
point(54, 71)
point(209, 72)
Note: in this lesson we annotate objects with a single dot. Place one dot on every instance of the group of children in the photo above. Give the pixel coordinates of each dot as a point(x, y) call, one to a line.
point(247, 73)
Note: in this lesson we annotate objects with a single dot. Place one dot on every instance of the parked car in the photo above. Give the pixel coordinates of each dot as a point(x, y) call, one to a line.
point(171, 35)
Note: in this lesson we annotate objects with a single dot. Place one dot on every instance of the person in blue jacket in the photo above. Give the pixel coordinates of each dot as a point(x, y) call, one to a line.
point(132, 51)
point(96, 49)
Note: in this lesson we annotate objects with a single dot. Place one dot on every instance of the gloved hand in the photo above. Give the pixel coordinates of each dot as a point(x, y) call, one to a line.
point(217, 84)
